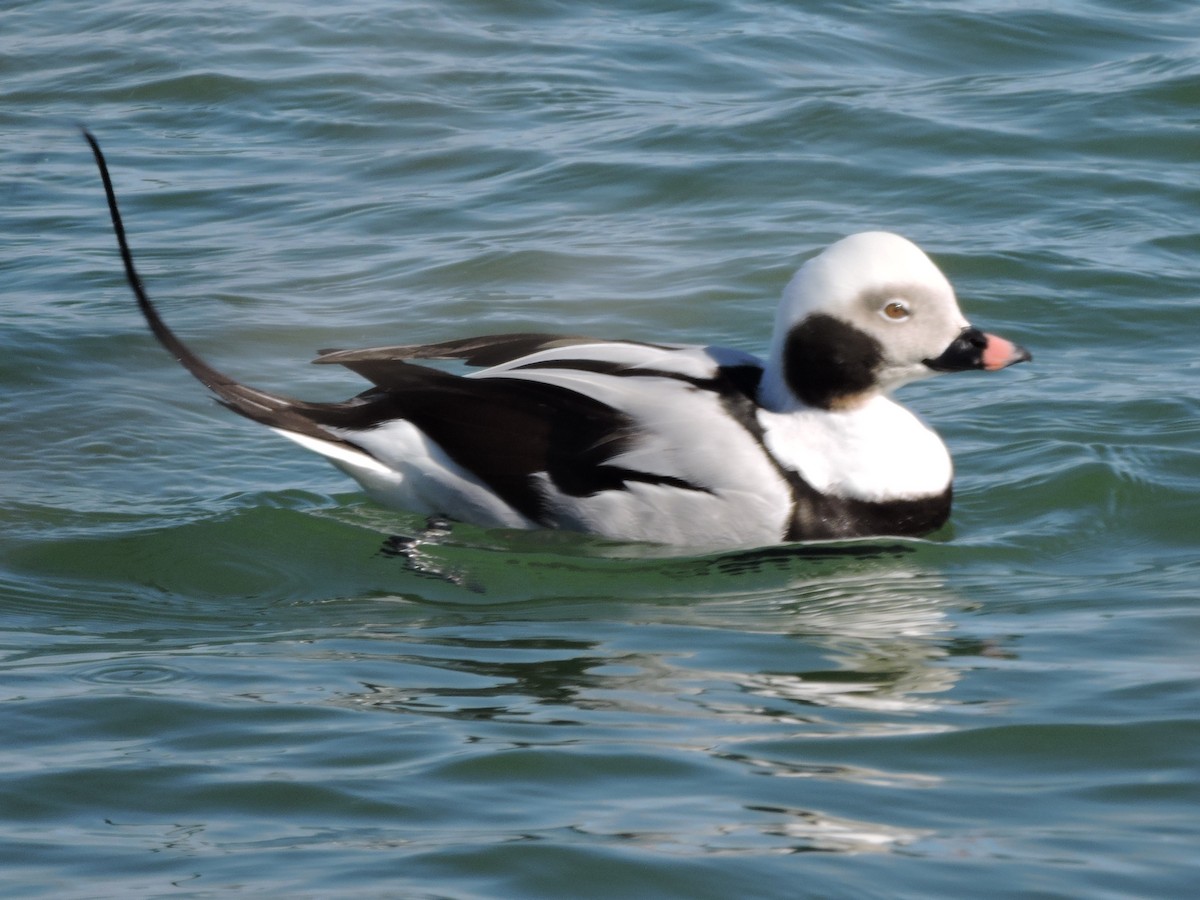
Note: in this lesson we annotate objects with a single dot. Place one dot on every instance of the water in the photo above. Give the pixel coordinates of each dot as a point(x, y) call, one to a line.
point(215, 683)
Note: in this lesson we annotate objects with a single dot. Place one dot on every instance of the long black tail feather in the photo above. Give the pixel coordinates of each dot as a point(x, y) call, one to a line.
point(269, 409)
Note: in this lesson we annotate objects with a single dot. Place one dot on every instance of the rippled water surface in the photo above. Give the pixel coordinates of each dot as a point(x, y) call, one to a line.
point(214, 681)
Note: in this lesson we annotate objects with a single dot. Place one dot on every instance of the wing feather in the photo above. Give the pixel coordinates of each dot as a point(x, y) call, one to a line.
point(377, 364)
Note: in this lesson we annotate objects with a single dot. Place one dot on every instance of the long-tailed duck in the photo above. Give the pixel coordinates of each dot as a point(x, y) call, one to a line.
point(650, 441)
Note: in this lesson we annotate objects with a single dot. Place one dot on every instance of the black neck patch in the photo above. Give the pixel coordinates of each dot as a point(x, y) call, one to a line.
point(826, 360)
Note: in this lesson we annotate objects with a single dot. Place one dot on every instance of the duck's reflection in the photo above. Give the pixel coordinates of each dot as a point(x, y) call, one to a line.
point(864, 632)
point(741, 661)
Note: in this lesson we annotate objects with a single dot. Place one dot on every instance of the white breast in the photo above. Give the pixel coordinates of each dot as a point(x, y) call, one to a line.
point(878, 451)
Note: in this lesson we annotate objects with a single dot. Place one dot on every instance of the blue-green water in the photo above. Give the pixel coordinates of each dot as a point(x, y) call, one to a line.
point(214, 684)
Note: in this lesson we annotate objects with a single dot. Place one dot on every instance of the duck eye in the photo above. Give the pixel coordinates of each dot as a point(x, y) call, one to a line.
point(896, 310)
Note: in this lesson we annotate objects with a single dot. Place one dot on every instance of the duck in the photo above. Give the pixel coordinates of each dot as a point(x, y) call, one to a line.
point(649, 441)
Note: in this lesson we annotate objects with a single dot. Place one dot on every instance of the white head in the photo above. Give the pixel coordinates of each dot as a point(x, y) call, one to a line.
point(870, 313)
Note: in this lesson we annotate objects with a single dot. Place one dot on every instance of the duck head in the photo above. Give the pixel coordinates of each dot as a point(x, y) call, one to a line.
point(867, 315)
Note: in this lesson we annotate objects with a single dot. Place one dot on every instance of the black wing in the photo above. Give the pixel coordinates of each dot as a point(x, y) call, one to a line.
point(508, 432)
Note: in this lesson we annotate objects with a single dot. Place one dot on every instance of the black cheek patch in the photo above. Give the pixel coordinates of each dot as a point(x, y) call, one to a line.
point(826, 360)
